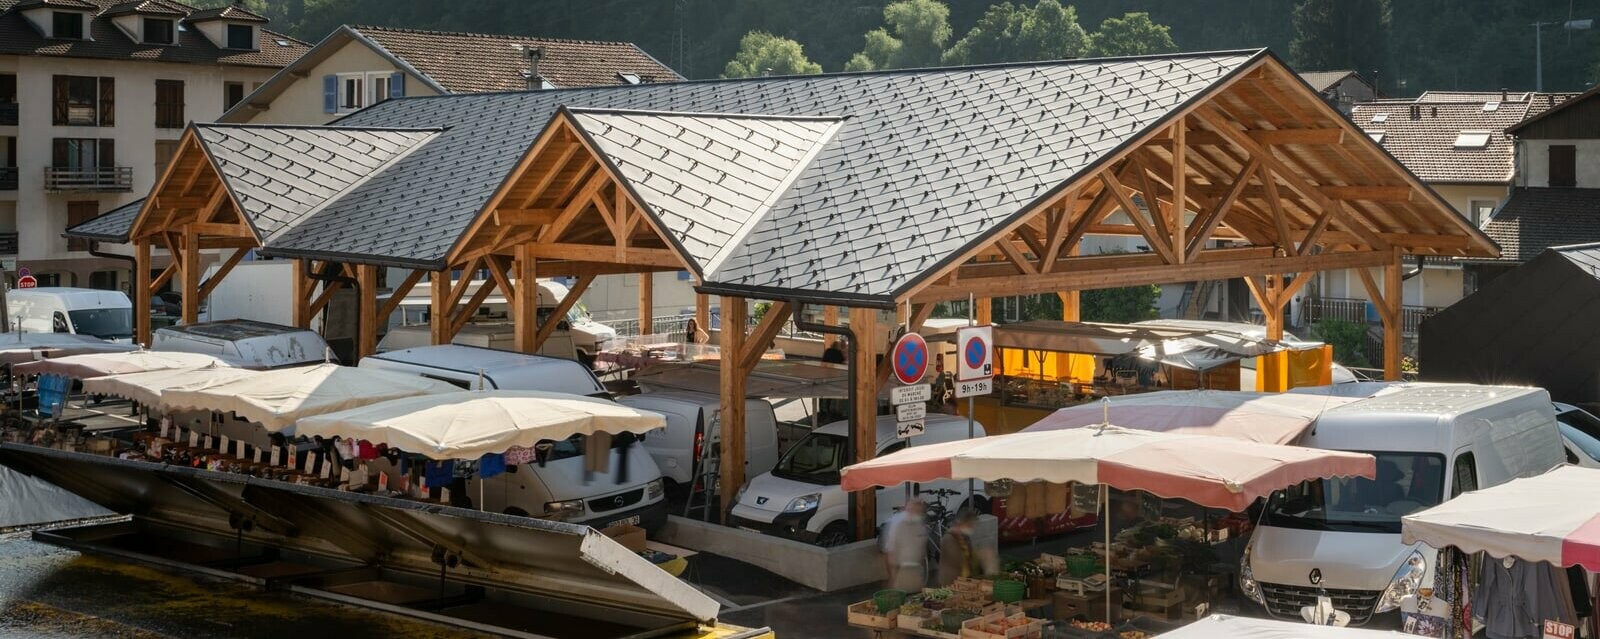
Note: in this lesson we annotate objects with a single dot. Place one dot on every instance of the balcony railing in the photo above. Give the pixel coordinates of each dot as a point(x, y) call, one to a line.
point(1411, 317)
point(111, 178)
point(8, 244)
point(1336, 308)
point(8, 178)
point(8, 114)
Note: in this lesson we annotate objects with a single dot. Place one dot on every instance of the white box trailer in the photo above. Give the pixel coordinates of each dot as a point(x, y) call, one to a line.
point(257, 290)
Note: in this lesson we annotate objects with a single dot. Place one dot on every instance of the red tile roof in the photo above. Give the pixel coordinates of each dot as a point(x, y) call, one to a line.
point(479, 63)
point(1533, 220)
point(1426, 144)
point(18, 37)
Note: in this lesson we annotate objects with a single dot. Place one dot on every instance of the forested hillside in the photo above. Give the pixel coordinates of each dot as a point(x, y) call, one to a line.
point(1407, 45)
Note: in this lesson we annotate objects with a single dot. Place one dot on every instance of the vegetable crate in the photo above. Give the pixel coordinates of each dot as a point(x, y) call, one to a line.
point(1003, 626)
point(865, 614)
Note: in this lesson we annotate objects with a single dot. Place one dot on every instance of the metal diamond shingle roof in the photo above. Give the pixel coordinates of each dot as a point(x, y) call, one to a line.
point(278, 175)
point(708, 177)
point(927, 162)
point(111, 226)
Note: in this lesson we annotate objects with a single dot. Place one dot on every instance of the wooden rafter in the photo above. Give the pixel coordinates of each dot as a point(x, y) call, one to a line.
point(549, 327)
point(760, 339)
point(1201, 231)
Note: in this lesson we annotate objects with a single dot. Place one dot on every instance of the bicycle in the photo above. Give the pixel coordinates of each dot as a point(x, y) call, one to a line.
point(940, 519)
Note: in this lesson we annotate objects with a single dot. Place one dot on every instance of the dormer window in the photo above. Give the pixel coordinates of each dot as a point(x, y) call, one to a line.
point(66, 24)
point(158, 31)
point(241, 36)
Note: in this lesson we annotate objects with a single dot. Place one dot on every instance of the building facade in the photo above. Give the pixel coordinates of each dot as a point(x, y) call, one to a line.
point(94, 95)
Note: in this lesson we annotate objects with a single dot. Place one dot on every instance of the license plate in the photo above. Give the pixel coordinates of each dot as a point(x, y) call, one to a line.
point(625, 521)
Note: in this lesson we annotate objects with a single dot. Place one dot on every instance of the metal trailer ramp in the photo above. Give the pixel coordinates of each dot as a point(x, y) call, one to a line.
point(510, 576)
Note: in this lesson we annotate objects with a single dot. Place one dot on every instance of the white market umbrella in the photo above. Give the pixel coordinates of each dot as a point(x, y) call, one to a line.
point(1230, 627)
point(16, 348)
point(1270, 418)
point(146, 388)
point(469, 424)
point(93, 365)
point(1540, 518)
point(276, 399)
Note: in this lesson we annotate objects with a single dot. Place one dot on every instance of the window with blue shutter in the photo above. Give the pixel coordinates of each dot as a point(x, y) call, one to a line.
point(397, 85)
point(330, 94)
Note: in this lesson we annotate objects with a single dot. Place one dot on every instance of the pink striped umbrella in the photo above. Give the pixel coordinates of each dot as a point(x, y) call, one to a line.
point(1272, 418)
point(1216, 472)
point(1542, 518)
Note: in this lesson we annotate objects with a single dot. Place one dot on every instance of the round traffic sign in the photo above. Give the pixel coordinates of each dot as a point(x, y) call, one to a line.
point(24, 272)
point(910, 358)
point(975, 352)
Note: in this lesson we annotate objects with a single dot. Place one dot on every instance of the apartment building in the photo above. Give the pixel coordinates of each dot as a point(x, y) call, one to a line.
point(94, 95)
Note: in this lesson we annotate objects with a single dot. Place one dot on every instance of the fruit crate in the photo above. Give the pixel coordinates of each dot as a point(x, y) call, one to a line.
point(1003, 626)
point(865, 614)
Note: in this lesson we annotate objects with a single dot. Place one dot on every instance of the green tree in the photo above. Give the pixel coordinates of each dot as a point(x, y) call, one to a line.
point(1119, 305)
point(915, 35)
point(1343, 34)
point(761, 53)
point(1007, 33)
point(1348, 340)
point(1132, 34)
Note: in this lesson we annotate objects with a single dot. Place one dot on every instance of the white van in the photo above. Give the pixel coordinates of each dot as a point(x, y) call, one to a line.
point(587, 336)
point(107, 315)
point(801, 498)
point(692, 425)
point(632, 492)
point(496, 336)
point(247, 343)
point(1342, 536)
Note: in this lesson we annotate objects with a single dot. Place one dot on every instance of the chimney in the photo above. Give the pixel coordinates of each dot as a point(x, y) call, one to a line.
point(1416, 112)
point(534, 54)
point(1503, 94)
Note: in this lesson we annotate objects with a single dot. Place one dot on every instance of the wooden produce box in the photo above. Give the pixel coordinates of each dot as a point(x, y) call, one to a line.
point(865, 614)
point(1002, 626)
point(1091, 607)
point(968, 584)
point(1161, 600)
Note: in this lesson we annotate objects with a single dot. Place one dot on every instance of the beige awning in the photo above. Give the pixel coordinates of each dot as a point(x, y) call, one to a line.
point(276, 399)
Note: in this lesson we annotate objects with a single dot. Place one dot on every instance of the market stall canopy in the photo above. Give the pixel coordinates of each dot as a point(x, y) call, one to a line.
point(1533, 519)
point(146, 388)
point(101, 364)
point(779, 379)
point(1084, 337)
point(1269, 418)
point(276, 399)
point(469, 424)
point(16, 348)
point(1215, 472)
point(1229, 627)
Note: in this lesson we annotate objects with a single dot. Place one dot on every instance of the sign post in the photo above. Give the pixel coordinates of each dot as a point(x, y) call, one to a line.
point(974, 369)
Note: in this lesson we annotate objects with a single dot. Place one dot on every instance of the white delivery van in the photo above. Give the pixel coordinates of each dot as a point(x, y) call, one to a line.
point(692, 425)
point(587, 336)
point(496, 336)
point(1342, 536)
point(247, 343)
point(631, 492)
point(107, 315)
point(801, 497)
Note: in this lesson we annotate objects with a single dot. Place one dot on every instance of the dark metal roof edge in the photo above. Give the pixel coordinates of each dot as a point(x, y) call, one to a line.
point(1253, 61)
point(810, 297)
point(352, 258)
point(605, 159)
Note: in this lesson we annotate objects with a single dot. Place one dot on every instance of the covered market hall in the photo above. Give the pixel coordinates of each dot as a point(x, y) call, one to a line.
point(859, 193)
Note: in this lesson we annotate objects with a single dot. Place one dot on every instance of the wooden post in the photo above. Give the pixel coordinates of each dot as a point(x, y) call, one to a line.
point(864, 414)
point(301, 312)
point(141, 292)
point(1274, 309)
point(984, 313)
point(735, 311)
point(830, 316)
point(1393, 293)
point(1069, 306)
point(191, 275)
point(367, 310)
point(440, 306)
point(702, 314)
point(647, 304)
point(525, 308)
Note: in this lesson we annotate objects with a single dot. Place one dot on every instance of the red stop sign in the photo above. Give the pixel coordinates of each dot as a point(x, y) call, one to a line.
point(27, 281)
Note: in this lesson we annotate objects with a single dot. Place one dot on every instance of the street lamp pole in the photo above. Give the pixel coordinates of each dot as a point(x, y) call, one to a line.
point(1538, 46)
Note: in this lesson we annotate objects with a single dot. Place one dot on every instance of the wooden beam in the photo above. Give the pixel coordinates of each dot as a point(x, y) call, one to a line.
point(499, 267)
point(222, 271)
point(732, 419)
point(1203, 227)
point(1280, 221)
point(398, 294)
point(142, 293)
point(1120, 271)
point(1392, 328)
point(323, 298)
point(525, 304)
point(1180, 181)
point(550, 176)
point(366, 310)
point(585, 252)
point(525, 217)
point(1298, 136)
point(558, 314)
point(984, 313)
point(459, 288)
point(647, 303)
point(864, 411)
point(191, 276)
point(300, 298)
point(440, 306)
point(1157, 242)
point(1055, 231)
point(462, 315)
point(166, 273)
point(1024, 266)
point(577, 205)
point(830, 317)
point(228, 243)
point(761, 338)
point(1347, 193)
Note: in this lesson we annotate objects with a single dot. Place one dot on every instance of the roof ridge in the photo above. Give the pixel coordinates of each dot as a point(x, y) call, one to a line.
point(245, 125)
point(704, 114)
point(487, 36)
point(876, 72)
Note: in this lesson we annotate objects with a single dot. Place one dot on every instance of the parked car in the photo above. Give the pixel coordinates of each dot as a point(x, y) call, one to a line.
point(248, 343)
point(496, 336)
point(1580, 433)
point(560, 488)
point(801, 498)
point(107, 315)
point(692, 425)
point(1342, 536)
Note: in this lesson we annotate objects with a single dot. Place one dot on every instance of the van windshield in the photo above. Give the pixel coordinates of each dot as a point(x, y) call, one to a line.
point(1406, 483)
point(104, 323)
point(816, 459)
